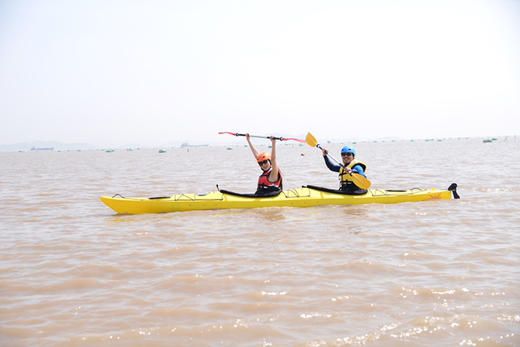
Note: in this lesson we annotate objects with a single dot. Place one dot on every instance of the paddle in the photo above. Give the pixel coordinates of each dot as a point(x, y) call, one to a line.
point(264, 137)
point(358, 179)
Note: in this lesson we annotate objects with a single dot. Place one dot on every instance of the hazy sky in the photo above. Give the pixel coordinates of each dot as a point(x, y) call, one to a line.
point(154, 72)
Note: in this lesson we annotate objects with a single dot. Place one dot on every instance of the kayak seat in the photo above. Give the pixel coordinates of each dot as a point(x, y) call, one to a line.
point(336, 191)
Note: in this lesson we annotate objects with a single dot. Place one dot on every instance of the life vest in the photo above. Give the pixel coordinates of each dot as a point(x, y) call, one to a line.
point(265, 185)
point(344, 177)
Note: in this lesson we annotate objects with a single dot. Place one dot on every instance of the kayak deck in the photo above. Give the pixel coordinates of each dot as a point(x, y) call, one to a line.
point(306, 196)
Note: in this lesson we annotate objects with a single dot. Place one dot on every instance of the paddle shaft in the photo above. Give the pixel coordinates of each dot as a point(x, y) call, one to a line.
point(331, 157)
point(260, 136)
point(263, 137)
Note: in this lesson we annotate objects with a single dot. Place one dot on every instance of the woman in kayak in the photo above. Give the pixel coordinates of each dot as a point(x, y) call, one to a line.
point(350, 166)
point(270, 181)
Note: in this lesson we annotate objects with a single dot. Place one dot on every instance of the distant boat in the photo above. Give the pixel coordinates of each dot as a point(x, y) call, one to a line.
point(186, 144)
point(42, 149)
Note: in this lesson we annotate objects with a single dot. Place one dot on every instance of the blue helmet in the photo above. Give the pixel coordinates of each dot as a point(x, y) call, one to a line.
point(348, 149)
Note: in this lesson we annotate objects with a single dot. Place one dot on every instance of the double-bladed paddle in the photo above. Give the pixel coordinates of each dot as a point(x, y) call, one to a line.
point(264, 137)
point(358, 179)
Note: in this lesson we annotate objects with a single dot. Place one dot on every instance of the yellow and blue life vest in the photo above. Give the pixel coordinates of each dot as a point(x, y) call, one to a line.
point(344, 177)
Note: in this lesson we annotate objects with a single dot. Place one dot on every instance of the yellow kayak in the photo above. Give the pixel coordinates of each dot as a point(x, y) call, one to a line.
point(301, 197)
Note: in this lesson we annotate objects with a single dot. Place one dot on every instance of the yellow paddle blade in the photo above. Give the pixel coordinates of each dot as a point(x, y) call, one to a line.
point(361, 181)
point(311, 140)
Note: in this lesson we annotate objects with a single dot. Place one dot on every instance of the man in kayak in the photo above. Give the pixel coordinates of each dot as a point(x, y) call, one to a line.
point(270, 181)
point(350, 166)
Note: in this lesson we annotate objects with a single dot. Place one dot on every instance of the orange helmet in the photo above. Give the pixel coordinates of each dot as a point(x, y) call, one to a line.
point(263, 156)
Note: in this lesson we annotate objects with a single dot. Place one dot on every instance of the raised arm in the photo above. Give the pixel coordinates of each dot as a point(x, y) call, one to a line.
point(330, 165)
point(253, 149)
point(273, 176)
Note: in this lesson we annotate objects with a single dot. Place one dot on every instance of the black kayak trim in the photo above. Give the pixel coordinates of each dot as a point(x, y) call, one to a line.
point(334, 191)
point(452, 188)
point(266, 195)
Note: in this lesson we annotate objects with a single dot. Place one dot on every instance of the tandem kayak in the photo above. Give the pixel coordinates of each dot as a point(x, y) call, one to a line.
point(306, 196)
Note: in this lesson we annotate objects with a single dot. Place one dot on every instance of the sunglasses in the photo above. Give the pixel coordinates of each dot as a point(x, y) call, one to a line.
point(263, 162)
point(345, 154)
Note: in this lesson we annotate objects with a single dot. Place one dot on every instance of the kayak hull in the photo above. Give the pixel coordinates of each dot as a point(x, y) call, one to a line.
point(301, 197)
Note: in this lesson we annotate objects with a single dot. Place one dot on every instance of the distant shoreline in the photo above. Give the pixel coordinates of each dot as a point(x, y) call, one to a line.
point(42, 148)
point(61, 146)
